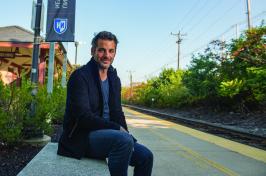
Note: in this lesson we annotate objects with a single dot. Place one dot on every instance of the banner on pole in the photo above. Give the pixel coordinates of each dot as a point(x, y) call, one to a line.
point(60, 25)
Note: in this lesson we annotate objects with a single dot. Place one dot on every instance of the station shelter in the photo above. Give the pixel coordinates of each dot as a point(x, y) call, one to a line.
point(16, 48)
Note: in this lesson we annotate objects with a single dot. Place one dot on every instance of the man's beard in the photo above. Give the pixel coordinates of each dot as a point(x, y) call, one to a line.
point(102, 65)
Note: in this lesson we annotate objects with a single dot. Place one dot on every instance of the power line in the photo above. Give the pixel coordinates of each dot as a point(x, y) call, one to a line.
point(187, 14)
point(152, 52)
point(165, 45)
point(216, 21)
point(254, 18)
point(158, 69)
point(196, 11)
point(193, 25)
point(203, 17)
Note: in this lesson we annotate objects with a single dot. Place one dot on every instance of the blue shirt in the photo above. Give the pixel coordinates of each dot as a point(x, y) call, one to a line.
point(105, 93)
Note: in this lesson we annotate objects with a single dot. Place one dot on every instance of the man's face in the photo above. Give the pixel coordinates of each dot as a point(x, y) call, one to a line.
point(104, 53)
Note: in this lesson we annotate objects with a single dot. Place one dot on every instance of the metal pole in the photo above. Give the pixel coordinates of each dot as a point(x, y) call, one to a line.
point(51, 68)
point(76, 53)
point(63, 82)
point(36, 44)
point(34, 69)
point(248, 14)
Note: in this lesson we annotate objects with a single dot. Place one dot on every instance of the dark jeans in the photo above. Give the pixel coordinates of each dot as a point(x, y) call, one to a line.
point(121, 151)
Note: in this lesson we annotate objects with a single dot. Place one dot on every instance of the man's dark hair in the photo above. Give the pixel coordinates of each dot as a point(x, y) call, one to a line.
point(104, 35)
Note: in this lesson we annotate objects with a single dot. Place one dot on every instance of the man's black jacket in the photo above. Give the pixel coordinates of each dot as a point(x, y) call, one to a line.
point(84, 107)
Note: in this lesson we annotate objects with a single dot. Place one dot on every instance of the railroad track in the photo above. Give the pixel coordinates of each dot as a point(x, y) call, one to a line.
point(232, 133)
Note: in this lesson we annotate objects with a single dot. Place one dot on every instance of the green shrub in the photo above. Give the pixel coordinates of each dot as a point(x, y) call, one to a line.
point(167, 90)
point(256, 81)
point(16, 119)
point(10, 127)
point(10, 118)
point(203, 77)
point(58, 101)
point(231, 88)
point(224, 75)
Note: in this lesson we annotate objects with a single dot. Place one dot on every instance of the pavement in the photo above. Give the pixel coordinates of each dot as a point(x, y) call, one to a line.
point(178, 151)
point(182, 151)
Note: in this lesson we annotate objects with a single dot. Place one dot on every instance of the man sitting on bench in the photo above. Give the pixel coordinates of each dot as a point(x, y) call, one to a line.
point(94, 123)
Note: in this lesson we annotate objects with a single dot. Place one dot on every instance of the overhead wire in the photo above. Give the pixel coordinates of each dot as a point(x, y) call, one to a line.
point(204, 46)
point(152, 52)
point(195, 11)
point(216, 21)
point(192, 26)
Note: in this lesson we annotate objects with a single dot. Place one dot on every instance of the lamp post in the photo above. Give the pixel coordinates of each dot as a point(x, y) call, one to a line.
point(76, 53)
point(31, 131)
point(77, 43)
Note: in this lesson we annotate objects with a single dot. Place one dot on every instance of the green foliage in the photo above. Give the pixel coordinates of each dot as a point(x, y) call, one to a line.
point(10, 127)
point(10, 119)
point(16, 119)
point(203, 77)
point(246, 63)
point(40, 119)
point(58, 101)
point(13, 110)
point(224, 75)
point(166, 90)
point(230, 88)
point(256, 81)
point(235, 72)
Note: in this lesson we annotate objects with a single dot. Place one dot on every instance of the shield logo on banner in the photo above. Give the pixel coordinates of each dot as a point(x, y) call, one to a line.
point(60, 25)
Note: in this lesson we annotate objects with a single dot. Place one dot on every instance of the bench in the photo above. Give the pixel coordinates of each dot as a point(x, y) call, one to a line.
point(47, 163)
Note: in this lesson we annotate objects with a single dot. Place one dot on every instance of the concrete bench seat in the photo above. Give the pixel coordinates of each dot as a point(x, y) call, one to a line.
point(47, 163)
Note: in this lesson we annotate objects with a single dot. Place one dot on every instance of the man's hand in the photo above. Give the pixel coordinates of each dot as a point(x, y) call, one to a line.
point(123, 129)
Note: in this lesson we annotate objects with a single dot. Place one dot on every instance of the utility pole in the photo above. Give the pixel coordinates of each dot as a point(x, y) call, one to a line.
point(237, 31)
point(222, 48)
point(131, 83)
point(179, 40)
point(248, 14)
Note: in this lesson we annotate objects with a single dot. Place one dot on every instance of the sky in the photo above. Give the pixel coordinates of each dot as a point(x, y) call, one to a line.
point(144, 27)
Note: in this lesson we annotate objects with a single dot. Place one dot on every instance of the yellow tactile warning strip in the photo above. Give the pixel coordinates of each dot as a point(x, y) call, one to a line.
point(197, 157)
point(248, 151)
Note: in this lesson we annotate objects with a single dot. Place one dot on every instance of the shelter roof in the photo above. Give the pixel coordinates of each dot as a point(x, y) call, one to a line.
point(16, 34)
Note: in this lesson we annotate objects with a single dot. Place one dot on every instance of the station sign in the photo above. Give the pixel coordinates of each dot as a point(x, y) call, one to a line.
point(61, 21)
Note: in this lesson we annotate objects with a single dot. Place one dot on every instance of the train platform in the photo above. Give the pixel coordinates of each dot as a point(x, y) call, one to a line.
point(178, 151)
point(182, 151)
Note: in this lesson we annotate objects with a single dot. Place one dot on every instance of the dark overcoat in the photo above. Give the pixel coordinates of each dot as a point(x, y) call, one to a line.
point(84, 108)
